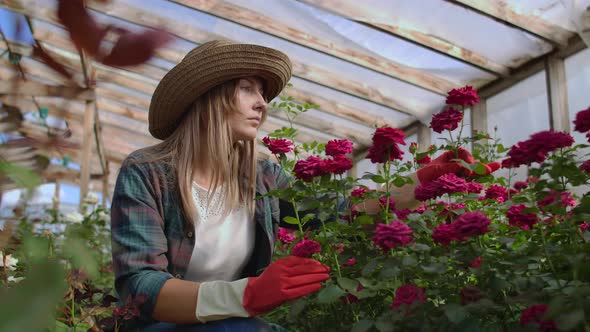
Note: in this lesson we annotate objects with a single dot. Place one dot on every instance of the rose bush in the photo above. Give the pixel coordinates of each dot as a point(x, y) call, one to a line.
point(481, 252)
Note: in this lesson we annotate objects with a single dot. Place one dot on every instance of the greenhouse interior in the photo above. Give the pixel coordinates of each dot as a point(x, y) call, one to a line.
point(432, 157)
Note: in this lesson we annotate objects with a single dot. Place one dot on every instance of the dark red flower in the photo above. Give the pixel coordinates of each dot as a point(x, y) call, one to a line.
point(306, 248)
point(448, 119)
point(408, 294)
point(307, 169)
point(536, 148)
point(584, 226)
point(496, 191)
point(350, 262)
point(561, 199)
point(338, 147)
point(474, 187)
point(519, 219)
point(450, 183)
point(278, 145)
point(383, 202)
point(428, 190)
point(582, 121)
point(413, 147)
point(476, 262)
point(470, 294)
point(424, 160)
point(444, 234)
point(388, 236)
point(338, 165)
point(465, 96)
point(520, 185)
point(585, 166)
point(359, 192)
point(470, 224)
point(402, 214)
point(533, 315)
point(348, 298)
point(385, 145)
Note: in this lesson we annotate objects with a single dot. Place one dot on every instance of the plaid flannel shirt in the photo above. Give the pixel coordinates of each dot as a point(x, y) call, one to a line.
point(150, 242)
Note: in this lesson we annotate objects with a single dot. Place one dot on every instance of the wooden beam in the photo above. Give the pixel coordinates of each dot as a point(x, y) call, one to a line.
point(530, 68)
point(267, 24)
point(376, 18)
point(506, 12)
point(59, 44)
point(557, 93)
point(424, 137)
point(384, 97)
point(27, 88)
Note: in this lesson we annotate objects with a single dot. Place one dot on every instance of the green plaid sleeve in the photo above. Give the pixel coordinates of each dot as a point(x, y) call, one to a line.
point(139, 245)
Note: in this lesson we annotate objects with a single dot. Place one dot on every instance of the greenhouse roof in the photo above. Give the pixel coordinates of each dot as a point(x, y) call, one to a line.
point(365, 63)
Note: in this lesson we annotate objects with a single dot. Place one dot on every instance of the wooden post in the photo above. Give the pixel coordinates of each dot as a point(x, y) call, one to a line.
point(86, 150)
point(56, 196)
point(105, 184)
point(479, 117)
point(424, 137)
point(557, 93)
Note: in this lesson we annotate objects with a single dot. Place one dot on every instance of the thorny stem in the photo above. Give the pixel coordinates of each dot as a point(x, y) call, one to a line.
point(549, 258)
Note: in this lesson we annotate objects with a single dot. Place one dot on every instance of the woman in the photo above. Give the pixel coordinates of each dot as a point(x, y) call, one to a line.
point(188, 236)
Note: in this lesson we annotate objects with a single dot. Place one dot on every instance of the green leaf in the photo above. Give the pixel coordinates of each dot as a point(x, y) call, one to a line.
point(570, 319)
point(409, 261)
point(434, 268)
point(347, 283)
point(378, 179)
point(455, 313)
point(362, 325)
point(297, 307)
point(480, 169)
point(30, 305)
point(330, 294)
point(291, 220)
point(43, 112)
point(370, 267)
point(23, 177)
point(364, 220)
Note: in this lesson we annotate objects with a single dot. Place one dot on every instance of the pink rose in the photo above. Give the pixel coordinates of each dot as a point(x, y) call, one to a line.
point(477, 262)
point(359, 192)
point(474, 187)
point(306, 248)
point(338, 147)
point(285, 235)
point(350, 262)
point(465, 96)
point(383, 202)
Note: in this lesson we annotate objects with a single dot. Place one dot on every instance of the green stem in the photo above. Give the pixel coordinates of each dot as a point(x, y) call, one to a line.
point(549, 258)
point(387, 169)
point(73, 309)
point(332, 253)
point(460, 131)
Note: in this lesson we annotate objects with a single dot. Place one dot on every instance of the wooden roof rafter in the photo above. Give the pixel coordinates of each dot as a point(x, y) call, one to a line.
point(370, 16)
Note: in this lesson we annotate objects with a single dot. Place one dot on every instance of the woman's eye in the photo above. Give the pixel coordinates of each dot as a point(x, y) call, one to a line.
point(247, 88)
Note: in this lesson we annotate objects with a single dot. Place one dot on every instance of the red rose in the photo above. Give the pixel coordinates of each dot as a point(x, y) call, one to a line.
point(533, 315)
point(350, 262)
point(424, 160)
point(584, 226)
point(474, 187)
point(448, 119)
point(309, 168)
point(385, 145)
point(582, 121)
point(408, 294)
point(339, 165)
point(471, 223)
point(496, 191)
point(428, 190)
point(470, 294)
point(388, 236)
point(383, 202)
point(402, 214)
point(536, 148)
point(338, 147)
point(563, 199)
point(413, 147)
point(306, 248)
point(444, 234)
point(585, 166)
point(278, 145)
point(465, 96)
point(451, 183)
point(520, 185)
point(519, 219)
point(476, 262)
point(359, 192)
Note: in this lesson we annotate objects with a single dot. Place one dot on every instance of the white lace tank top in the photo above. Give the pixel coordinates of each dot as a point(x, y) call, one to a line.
point(223, 245)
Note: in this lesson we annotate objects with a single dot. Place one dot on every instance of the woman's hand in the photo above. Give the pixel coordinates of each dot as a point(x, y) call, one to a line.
point(448, 163)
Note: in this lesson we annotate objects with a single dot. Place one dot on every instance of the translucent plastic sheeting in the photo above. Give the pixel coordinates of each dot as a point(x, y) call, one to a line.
point(14, 27)
point(519, 111)
point(564, 13)
point(577, 72)
point(411, 96)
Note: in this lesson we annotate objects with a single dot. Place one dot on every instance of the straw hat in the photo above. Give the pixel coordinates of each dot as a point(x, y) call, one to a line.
point(207, 66)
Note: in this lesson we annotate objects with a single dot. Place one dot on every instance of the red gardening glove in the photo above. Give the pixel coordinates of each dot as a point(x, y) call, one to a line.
point(444, 164)
point(284, 280)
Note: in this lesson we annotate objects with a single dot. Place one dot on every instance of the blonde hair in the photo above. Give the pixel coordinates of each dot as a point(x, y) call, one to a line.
point(204, 132)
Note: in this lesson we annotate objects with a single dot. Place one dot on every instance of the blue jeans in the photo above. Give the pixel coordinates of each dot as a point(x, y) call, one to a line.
point(225, 325)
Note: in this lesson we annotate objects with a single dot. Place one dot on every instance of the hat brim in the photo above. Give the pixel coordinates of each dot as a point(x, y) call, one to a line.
point(204, 69)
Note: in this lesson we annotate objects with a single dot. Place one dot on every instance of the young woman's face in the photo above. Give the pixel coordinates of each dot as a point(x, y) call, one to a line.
point(251, 107)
